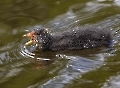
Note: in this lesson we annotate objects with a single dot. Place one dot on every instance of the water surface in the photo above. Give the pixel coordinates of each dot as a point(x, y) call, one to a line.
point(90, 68)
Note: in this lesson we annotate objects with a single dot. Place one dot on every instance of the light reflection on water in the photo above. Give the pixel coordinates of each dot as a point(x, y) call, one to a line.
point(58, 69)
point(113, 82)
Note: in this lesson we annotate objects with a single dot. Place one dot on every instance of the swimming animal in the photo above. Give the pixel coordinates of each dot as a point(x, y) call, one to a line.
point(71, 39)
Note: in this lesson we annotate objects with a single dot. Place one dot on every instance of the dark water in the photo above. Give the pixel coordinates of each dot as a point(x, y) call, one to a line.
point(92, 68)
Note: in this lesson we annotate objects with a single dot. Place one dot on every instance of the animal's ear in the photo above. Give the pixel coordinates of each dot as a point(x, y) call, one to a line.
point(47, 30)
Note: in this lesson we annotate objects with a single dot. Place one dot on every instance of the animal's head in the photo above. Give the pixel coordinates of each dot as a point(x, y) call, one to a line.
point(41, 31)
point(37, 36)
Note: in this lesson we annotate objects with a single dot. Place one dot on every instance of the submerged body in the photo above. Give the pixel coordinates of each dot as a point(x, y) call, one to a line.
point(75, 38)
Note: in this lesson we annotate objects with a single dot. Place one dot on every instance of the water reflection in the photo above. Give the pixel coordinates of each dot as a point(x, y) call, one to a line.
point(112, 82)
point(19, 13)
point(58, 69)
point(117, 2)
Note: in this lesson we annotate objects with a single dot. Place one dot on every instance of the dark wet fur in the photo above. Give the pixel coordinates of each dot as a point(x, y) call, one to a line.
point(75, 38)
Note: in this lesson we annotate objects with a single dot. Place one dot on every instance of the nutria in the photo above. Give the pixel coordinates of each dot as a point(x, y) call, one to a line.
point(75, 38)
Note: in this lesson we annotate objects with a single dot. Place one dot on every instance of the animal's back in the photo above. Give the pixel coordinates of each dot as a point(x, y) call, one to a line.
point(81, 38)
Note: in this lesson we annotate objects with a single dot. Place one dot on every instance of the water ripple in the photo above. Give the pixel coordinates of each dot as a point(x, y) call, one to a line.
point(75, 67)
point(113, 82)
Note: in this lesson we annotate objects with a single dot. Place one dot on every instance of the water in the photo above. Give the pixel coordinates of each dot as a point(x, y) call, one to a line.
point(90, 68)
